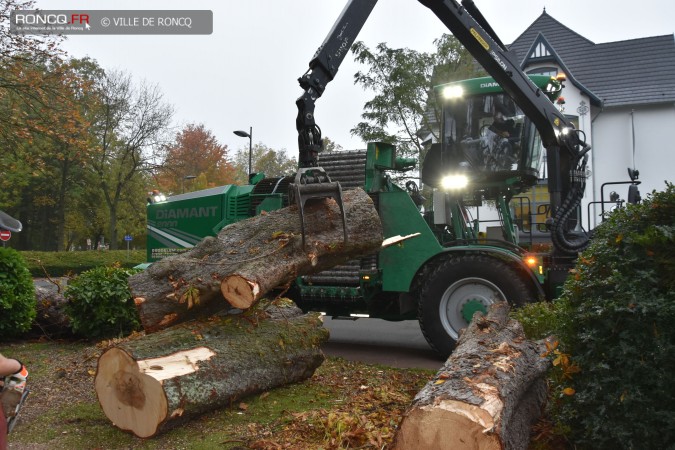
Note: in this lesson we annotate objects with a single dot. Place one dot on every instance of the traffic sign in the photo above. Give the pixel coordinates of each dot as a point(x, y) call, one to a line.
point(127, 237)
point(5, 235)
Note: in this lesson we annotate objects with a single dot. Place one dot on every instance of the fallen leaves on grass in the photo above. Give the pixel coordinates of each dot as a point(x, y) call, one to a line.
point(365, 415)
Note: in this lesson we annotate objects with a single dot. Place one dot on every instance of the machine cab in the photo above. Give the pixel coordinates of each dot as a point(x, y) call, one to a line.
point(485, 139)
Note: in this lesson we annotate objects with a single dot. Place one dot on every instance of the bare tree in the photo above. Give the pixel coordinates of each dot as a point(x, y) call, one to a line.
point(131, 123)
point(16, 45)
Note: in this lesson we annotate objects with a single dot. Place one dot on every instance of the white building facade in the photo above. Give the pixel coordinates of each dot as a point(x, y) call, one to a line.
point(621, 95)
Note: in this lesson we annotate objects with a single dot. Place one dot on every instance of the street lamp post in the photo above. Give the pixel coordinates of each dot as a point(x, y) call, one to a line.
point(182, 183)
point(249, 135)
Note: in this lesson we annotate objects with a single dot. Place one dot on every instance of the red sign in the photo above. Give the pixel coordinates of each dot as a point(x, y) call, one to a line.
point(5, 235)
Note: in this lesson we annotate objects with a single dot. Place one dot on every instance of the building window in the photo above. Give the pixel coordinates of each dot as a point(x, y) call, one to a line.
point(540, 51)
point(550, 71)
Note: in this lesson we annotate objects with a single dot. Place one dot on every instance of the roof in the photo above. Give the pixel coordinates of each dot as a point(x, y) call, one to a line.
point(631, 72)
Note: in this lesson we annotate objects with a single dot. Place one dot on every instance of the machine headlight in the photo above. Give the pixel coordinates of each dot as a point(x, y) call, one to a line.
point(453, 92)
point(454, 182)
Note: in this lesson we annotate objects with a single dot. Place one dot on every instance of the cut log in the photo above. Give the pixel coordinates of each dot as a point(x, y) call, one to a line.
point(486, 396)
point(51, 319)
point(149, 384)
point(251, 257)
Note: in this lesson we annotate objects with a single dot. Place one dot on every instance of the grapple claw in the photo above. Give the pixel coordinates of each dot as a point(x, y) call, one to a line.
point(313, 183)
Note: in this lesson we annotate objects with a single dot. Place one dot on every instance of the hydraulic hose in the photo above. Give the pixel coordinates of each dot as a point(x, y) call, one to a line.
point(561, 239)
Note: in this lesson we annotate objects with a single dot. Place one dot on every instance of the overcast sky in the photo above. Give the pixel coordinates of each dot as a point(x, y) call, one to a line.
point(245, 73)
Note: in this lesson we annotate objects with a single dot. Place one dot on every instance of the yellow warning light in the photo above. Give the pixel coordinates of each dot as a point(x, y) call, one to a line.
point(531, 261)
point(561, 77)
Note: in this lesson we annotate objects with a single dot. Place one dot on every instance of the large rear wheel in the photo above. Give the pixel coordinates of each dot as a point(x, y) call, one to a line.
point(459, 287)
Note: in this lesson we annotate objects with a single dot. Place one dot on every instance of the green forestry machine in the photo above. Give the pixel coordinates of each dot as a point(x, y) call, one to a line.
point(493, 133)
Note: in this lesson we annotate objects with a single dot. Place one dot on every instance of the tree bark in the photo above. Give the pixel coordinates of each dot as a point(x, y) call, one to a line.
point(251, 257)
point(486, 396)
point(152, 383)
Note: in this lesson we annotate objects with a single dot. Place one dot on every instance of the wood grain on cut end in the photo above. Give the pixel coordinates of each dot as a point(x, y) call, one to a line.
point(132, 400)
point(239, 292)
point(449, 425)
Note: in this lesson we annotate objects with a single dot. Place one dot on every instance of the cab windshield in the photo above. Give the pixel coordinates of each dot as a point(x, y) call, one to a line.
point(489, 134)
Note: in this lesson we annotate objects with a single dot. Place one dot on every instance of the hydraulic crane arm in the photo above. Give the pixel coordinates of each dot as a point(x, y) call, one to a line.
point(322, 69)
point(312, 182)
point(469, 26)
point(566, 151)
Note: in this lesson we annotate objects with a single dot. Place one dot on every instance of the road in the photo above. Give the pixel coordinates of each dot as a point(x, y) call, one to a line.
point(376, 341)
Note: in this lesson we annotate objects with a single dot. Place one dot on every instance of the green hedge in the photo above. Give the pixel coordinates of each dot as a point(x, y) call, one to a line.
point(623, 304)
point(616, 324)
point(17, 294)
point(58, 264)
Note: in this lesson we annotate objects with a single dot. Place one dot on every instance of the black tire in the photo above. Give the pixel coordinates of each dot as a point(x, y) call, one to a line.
point(460, 286)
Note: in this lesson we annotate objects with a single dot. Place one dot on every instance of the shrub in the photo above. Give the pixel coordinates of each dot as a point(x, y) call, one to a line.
point(100, 304)
point(543, 319)
point(17, 294)
point(622, 298)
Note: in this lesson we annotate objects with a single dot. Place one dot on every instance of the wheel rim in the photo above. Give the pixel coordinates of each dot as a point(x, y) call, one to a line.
point(462, 299)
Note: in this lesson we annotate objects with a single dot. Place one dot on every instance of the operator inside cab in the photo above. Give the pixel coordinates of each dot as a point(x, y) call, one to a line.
point(500, 141)
point(485, 132)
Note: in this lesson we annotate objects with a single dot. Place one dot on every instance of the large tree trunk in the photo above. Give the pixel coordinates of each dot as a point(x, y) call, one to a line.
point(251, 257)
point(149, 384)
point(487, 394)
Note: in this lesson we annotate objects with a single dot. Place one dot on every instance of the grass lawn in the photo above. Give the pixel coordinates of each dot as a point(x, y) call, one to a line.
point(343, 405)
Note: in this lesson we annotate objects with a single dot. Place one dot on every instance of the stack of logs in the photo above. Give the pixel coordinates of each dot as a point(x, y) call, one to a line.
point(208, 340)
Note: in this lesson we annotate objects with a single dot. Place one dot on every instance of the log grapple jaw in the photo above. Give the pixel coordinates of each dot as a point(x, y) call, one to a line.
point(313, 184)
